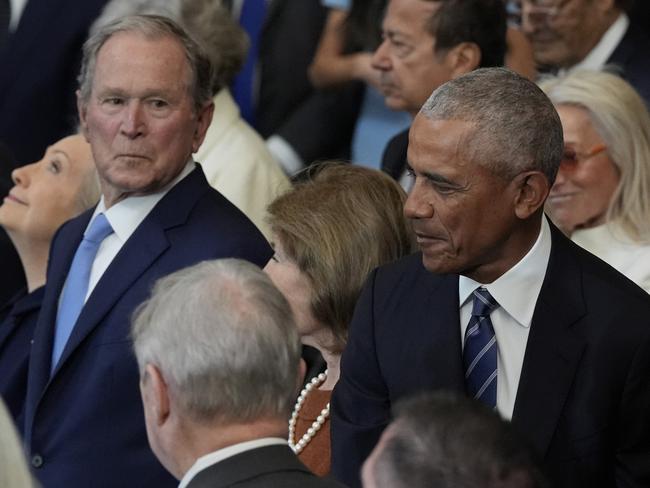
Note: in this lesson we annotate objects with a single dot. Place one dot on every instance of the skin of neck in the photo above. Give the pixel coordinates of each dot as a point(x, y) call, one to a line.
point(192, 440)
point(323, 339)
point(33, 256)
point(518, 245)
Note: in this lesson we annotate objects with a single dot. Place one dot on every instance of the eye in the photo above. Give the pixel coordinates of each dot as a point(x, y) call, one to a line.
point(113, 101)
point(158, 104)
point(54, 166)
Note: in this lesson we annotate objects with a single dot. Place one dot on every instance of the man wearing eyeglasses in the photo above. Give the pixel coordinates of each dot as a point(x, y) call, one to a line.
point(588, 34)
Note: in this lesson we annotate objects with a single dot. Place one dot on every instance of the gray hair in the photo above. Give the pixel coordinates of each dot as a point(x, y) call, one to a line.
point(151, 27)
point(516, 127)
point(448, 441)
point(224, 339)
point(225, 42)
point(621, 118)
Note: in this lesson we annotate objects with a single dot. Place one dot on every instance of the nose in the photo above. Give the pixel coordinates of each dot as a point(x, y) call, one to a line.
point(133, 122)
point(21, 176)
point(560, 177)
point(380, 59)
point(418, 205)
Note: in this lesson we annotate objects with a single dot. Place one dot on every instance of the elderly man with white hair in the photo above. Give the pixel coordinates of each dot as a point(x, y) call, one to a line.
point(219, 353)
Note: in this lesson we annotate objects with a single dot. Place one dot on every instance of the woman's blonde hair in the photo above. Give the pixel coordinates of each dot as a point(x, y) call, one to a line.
point(338, 224)
point(621, 118)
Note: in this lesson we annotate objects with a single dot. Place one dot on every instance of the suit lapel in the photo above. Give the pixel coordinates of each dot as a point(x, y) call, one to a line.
point(144, 247)
point(553, 350)
point(446, 353)
point(64, 246)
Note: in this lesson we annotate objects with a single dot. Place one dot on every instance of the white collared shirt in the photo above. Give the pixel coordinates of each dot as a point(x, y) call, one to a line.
point(17, 8)
point(124, 217)
point(516, 291)
point(215, 457)
point(598, 56)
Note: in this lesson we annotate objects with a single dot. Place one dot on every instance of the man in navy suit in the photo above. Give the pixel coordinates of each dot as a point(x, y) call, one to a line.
point(499, 304)
point(589, 34)
point(145, 105)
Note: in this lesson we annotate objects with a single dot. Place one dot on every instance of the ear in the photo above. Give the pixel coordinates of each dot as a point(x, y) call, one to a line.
point(463, 58)
point(203, 120)
point(532, 189)
point(155, 394)
point(82, 110)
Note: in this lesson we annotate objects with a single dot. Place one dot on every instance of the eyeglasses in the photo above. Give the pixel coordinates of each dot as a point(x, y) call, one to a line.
point(572, 159)
point(540, 11)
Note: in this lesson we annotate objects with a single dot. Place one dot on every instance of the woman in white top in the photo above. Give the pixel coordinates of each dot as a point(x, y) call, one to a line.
point(601, 197)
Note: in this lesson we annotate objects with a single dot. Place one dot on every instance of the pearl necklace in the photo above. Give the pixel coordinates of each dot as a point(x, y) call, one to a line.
point(318, 423)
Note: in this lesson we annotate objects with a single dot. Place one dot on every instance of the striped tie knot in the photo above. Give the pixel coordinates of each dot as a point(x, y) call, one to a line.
point(484, 303)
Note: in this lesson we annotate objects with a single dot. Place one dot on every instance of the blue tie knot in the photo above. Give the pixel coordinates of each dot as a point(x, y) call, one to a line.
point(98, 230)
point(484, 303)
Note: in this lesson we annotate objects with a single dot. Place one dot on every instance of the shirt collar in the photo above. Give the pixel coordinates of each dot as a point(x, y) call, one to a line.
point(517, 289)
point(599, 55)
point(217, 456)
point(125, 216)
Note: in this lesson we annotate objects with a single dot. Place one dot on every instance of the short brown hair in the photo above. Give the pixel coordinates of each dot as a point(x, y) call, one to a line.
point(337, 225)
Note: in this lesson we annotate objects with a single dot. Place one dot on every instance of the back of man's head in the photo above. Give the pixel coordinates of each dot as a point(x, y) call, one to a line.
point(482, 22)
point(517, 128)
point(449, 441)
point(224, 340)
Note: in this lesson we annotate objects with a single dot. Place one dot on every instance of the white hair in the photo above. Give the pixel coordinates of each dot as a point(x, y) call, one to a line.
point(621, 118)
point(225, 340)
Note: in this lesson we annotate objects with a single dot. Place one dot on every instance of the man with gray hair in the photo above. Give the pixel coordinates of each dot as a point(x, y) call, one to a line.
point(219, 355)
point(449, 441)
point(144, 104)
point(499, 304)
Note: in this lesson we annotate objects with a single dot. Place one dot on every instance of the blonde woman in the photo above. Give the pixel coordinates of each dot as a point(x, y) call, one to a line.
point(601, 197)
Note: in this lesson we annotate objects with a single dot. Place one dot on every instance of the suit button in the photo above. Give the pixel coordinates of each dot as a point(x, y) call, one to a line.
point(37, 461)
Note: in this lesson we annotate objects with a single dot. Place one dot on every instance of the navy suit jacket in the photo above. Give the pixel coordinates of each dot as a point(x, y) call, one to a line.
point(265, 467)
point(584, 393)
point(631, 56)
point(84, 424)
point(39, 65)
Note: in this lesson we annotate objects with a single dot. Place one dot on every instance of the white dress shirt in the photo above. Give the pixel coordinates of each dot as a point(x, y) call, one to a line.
point(17, 7)
point(217, 456)
point(598, 56)
point(516, 291)
point(124, 217)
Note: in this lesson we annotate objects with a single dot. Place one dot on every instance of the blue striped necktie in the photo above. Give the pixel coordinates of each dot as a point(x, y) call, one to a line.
point(76, 288)
point(480, 352)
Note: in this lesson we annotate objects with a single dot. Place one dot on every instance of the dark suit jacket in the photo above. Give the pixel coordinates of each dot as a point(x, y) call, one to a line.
point(393, 161)
point(16, 330)
point(84, 426)
point(38, 74)
point(318, 124)
point(584, 394)
point(264, 467)
point(631, 56)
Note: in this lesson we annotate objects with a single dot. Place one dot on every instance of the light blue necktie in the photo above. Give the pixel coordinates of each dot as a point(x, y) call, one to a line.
point(76, 287)
point(480, 352)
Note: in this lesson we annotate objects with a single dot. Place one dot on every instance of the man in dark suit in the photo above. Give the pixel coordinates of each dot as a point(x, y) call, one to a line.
point(443, 40)
point(590, 35)
point(499, 303)
point(217, 414)
point(38, 68)
point(144, 105)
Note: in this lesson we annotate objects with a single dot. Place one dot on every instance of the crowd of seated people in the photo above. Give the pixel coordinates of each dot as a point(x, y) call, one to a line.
point(201, 308)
